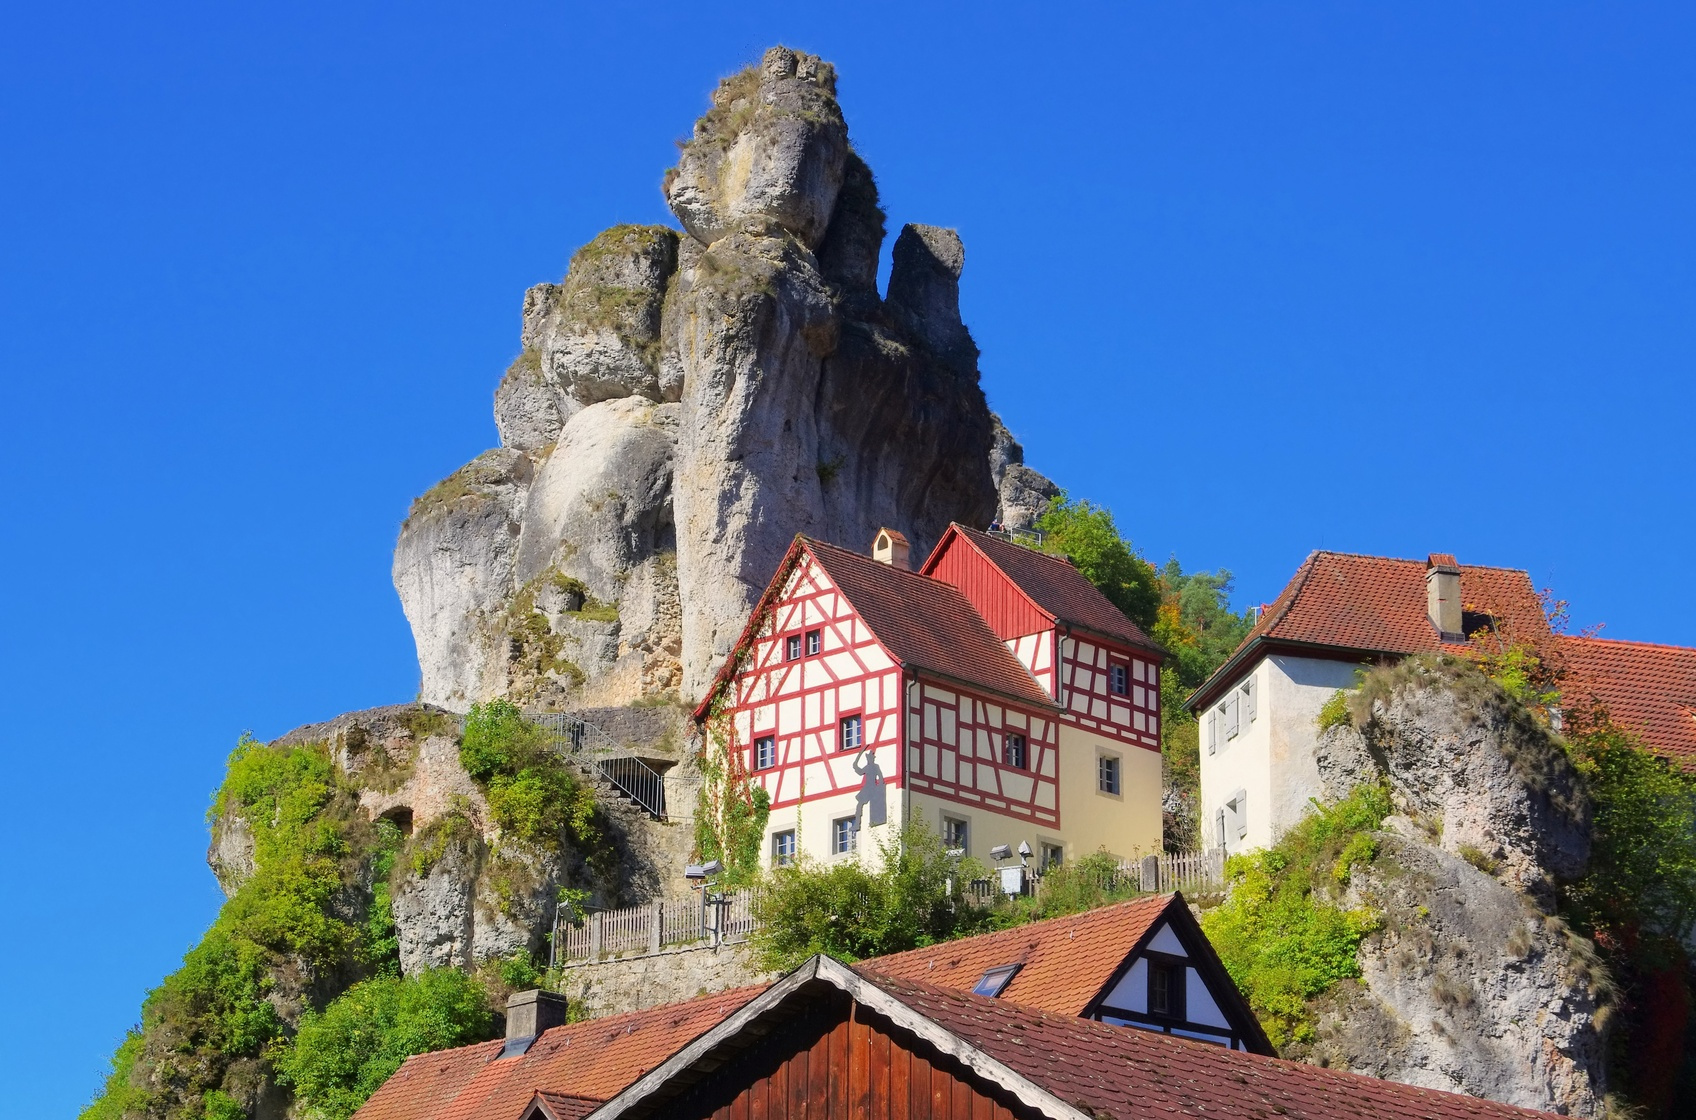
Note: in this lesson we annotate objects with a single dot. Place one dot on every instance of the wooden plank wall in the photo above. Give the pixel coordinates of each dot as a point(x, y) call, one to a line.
point(849, 1066)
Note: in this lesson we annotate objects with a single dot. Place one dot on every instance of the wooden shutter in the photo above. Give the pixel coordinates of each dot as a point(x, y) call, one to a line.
point(1248, 700)
point(1212, 731)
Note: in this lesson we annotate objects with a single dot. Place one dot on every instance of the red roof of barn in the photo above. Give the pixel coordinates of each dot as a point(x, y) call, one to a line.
point(1362, 605)
point(595, 1059)
point(1649, 690)
point(1066, 961)
point(1055, 586)
point(927, 624)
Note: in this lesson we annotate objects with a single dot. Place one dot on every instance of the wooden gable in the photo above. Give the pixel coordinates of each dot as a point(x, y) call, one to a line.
point(1173, 982)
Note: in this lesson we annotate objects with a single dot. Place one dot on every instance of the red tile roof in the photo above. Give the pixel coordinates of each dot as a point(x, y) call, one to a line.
point(927, 624)
point(565, 1106)
point(1056, 586)
point(594, 1059)
point(1377, 604)
point(1649, 690)
point(1066, 961)
point(1141, 1075)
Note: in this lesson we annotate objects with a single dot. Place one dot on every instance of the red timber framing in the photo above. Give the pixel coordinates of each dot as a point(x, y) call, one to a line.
point(802, 702)
point(842, 1061)
point(957, 751)
point(1035, 635)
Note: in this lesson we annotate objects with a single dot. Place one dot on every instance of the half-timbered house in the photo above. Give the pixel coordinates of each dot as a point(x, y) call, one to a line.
point(994, 694)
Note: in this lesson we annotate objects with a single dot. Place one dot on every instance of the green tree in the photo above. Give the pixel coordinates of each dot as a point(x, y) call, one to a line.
point(532, 795)
point(1087, 534)
point(341, 1055)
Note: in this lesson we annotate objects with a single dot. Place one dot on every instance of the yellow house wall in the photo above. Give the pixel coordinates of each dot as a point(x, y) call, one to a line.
point(1127, 825)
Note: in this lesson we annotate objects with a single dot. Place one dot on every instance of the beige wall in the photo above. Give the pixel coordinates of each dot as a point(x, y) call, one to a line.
point(1127, 825)
point(1273, 759)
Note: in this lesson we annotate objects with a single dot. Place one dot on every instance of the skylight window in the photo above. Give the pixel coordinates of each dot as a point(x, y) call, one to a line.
point(995, 981)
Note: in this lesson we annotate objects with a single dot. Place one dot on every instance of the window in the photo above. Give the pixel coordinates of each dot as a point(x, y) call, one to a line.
point(1107, 773)
point(995, 981)
point(852, 733)
point(792, 647)
point(1119, 679)
point(1166, 989)
point(1014, 753)
point(1053, 855)
point(953, 833)
point(812, 642)
point(783, 848)
point(765, 752)
point(844, 835)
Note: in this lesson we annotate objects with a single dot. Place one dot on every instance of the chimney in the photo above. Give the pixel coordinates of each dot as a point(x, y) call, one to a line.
point(891, 548)
point(1442, 596)
point(530, 1013)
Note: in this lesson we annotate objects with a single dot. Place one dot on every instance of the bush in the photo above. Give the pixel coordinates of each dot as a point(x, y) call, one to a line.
point(1087, 534)
point(341, 1055)
point(1335, 712)
point(532, 795)
point(1280, 934)
point(852, 913)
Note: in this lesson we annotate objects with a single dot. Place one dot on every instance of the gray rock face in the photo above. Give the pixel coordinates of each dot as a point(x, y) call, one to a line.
point(684, 406)
point(1467, 988)
point(1023, 495)
point(1471, 985)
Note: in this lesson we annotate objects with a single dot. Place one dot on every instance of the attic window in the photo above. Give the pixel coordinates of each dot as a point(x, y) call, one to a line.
point(995, 981)
point(1473, 620)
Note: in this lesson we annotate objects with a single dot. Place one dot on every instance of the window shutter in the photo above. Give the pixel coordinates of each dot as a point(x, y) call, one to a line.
point(1242, 813)
point(1248, 700)
point(1212, 731)
point(1231, 716)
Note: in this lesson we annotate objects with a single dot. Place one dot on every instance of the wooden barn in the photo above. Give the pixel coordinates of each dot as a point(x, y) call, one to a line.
point(994, 694)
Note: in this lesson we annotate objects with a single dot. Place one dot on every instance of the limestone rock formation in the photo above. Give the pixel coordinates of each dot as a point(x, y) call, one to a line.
point(684, 405)
point(1472, 984)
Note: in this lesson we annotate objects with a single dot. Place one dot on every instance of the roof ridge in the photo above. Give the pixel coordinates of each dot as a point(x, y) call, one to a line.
point(1052, 557)
point(1406, 560)
point(931, 580)
point(1623, 642)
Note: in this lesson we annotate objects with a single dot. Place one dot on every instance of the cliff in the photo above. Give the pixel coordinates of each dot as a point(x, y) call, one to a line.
point(684, 404)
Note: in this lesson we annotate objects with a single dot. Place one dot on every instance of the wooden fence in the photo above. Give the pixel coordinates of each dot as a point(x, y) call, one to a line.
point(642, 930)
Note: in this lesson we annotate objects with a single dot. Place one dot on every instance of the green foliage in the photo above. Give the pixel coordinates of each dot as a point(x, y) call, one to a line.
point(1071, 888)
point(1479, 858)
point(1335, 711)
point(532, 795)
point(219, 1105)
point(1642, 875)
point(341, 1055)
point(852, 913)
point(1086, 534)
point(1281, 934)
point(310, 847)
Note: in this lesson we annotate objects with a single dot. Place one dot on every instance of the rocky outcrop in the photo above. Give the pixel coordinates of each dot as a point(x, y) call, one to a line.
point(1471, 983)
point(684, 405)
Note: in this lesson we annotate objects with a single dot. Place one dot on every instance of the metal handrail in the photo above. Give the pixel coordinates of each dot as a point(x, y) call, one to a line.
point(591, 749)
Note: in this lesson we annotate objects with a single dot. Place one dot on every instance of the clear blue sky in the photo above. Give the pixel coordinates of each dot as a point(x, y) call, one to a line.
point(1263, 279)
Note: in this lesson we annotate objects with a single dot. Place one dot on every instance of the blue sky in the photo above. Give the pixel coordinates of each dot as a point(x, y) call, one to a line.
point(1262, 279)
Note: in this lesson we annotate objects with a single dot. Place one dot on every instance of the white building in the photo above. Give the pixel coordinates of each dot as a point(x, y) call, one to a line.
point(1259, 712)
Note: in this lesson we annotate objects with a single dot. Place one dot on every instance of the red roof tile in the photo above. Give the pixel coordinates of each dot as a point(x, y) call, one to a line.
point(1056, 586)
point(565, 1106)
point(927, 624)
point(1140, 1075)
point(594, 1059)
point(1066, 961)
point(1649, 690)
point(1377, 604)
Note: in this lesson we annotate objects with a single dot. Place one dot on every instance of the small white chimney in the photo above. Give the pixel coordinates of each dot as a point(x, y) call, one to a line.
point(1442, 596)
point(891, 548)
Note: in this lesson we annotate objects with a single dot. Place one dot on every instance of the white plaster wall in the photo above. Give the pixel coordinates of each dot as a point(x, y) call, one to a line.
point(1273, 758)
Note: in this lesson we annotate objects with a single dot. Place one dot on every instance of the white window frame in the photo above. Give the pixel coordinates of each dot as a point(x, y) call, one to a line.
point(964, 825)
point(859, 721)
point(1024, 745)
point(780, 858)
point(852, 824)
point(1106, 762)
point(765, 743)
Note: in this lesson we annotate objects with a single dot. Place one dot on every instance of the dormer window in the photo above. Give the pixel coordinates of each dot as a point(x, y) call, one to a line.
point(1166, 989)
point(995, 981)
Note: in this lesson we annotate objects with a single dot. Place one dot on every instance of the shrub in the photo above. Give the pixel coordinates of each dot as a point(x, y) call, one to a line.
point(852, 912)
point(341, 1055)
point(1335, 712)
point(1280, 933)
point(532, 795)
